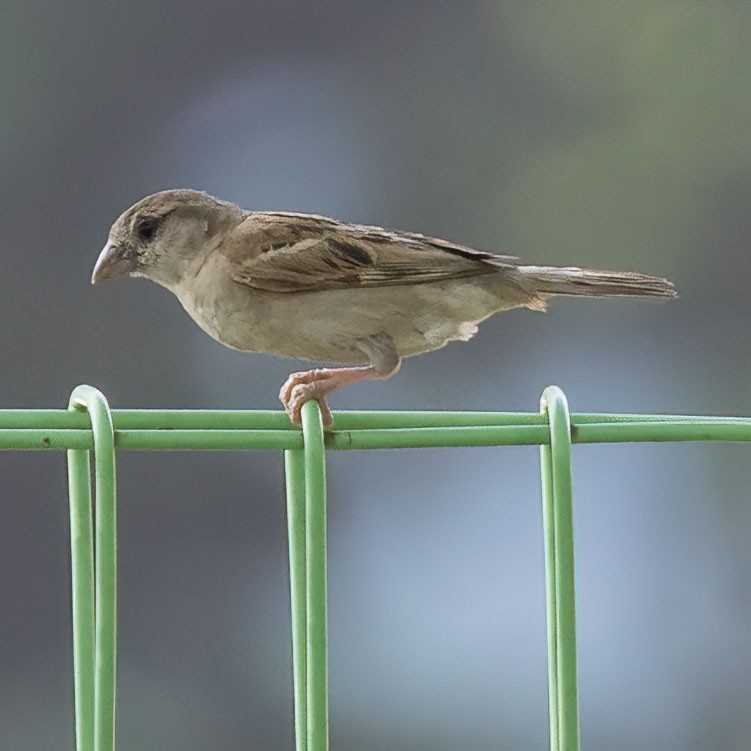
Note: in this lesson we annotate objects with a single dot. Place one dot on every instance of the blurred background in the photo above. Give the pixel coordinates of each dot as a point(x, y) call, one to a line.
point(594, 132)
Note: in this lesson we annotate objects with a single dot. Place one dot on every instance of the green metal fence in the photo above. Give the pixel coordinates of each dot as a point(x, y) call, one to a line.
point(89, 426)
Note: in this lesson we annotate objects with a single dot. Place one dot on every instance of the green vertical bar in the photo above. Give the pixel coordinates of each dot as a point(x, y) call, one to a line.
point(105, 570)
point(82, 596)
point(316, 589)
point(550, 596)
point(556, 469)
point(294, 467)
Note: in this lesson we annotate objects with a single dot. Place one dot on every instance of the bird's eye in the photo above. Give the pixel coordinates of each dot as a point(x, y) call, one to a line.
point(146, 229)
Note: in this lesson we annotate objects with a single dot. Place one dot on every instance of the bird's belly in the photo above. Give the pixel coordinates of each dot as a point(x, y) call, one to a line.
point(330, 325)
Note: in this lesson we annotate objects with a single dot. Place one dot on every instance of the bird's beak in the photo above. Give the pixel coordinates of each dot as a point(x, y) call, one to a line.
point(112, 262)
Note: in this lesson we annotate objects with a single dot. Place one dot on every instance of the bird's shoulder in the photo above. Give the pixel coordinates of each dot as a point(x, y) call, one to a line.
point(262, 232)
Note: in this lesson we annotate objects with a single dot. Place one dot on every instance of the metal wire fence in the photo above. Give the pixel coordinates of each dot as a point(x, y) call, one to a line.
point(90, 429)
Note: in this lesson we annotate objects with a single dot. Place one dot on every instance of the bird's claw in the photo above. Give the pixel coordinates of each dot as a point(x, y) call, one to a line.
point(300, 388)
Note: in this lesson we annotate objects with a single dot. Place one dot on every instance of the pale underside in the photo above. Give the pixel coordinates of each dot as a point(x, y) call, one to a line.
point(390, 321)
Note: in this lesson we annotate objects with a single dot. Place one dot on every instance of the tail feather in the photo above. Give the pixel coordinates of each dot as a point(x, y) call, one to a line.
point(552, 280)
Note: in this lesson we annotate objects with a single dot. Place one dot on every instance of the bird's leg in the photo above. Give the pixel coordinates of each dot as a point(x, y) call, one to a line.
point(317, 384)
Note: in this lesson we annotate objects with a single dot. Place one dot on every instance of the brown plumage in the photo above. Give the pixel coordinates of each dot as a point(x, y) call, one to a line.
point(308, 286)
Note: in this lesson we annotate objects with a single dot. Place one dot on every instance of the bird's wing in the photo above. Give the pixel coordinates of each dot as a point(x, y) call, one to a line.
point(284, 252)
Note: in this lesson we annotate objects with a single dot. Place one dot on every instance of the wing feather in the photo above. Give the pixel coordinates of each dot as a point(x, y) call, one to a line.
point(285, 252)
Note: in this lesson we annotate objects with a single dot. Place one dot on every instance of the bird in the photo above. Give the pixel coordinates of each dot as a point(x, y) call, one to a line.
point(311, 287)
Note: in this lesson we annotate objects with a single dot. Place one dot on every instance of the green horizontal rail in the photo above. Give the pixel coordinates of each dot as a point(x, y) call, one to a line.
point(173, 419)
point(25, 431)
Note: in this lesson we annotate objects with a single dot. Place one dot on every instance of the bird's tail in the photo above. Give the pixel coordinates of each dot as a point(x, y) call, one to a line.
point(552, 280)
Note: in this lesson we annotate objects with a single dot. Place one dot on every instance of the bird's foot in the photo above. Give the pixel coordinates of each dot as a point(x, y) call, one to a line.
point(302, 387)
point(317, 384)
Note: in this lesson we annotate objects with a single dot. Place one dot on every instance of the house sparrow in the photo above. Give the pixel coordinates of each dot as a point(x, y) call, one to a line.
point(311, 287)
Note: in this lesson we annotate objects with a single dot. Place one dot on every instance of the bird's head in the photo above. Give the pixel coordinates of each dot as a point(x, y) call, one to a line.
point(161, 235)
